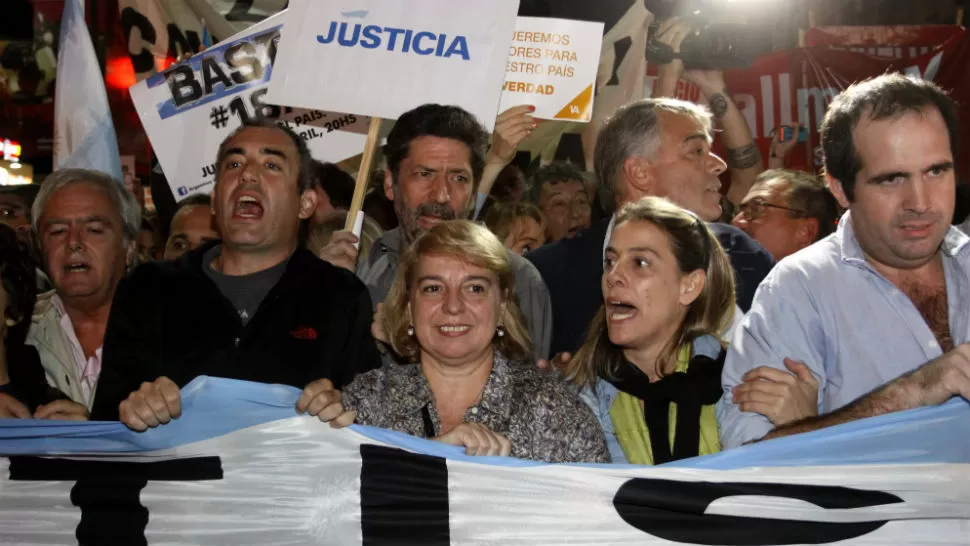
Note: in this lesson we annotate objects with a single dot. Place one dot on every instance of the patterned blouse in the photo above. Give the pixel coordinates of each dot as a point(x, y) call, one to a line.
point(542, 418)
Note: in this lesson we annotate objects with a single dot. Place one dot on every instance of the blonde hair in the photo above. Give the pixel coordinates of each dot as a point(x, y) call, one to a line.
point(501, 216)
point(695, 248)
point(472, 244)
point(320, 234)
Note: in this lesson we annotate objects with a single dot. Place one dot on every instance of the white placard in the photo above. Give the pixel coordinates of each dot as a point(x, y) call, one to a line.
point(552, 65)
point(380, 58)
point(190, 108)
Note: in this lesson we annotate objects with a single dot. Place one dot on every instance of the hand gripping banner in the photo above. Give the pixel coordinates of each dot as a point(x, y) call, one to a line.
point(240, 468)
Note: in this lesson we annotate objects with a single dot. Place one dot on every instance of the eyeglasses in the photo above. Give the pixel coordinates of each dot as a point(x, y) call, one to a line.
point(756, 208)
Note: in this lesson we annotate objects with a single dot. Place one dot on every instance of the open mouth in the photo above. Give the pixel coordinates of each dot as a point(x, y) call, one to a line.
point(574, 230)
point(77, 267)
point(249, 207)
point(619, 310)
point(454, 330)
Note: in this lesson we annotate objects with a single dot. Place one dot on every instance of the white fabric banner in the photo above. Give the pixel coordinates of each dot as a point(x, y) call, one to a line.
point(189, 109)
point(157, 30)
point(297, 481)
point(552, 66)
point(381, 58)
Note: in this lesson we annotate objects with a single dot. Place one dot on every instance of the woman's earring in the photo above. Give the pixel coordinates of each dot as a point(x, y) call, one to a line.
point(500, 330)
point(410, 331)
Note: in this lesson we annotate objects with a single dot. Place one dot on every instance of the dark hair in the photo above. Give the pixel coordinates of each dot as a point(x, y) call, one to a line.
point(884, 97)
point(555, 173)
point(337, 184)
point(807, 192)
point(20, 282)
point(195, 200)
point(26, 192)
point(442, 122)
point(304, 179)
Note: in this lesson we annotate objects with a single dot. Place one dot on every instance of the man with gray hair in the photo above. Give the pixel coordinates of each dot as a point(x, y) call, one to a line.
point(86, 224)
point(652, 147)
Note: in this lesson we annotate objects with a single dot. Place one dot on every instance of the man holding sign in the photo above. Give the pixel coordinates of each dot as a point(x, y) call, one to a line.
point(435, 160)
point(262, 309)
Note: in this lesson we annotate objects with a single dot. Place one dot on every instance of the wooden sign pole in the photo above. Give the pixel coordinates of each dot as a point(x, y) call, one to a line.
point(364, 173)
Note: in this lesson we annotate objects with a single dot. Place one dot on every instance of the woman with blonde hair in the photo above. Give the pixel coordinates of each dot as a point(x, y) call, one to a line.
point(473, 382)
point(651, 364)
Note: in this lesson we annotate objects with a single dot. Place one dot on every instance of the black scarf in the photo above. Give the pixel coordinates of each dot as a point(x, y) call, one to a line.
point(699, 386)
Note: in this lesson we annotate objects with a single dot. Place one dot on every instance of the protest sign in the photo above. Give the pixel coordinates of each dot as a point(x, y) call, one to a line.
point(552, 65)
point(385, 58)
point(190, 108)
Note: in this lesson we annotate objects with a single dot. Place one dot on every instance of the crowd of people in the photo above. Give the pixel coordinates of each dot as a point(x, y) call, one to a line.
point(633, 314)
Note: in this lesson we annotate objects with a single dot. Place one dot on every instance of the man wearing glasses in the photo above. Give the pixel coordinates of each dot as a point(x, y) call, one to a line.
point(786, 211)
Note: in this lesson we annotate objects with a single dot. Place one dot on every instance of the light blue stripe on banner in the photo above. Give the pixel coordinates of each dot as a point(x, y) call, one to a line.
point(213, 407)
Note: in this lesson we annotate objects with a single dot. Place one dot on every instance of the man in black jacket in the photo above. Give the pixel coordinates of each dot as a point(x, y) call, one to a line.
point(654, 147)
point(253, 306)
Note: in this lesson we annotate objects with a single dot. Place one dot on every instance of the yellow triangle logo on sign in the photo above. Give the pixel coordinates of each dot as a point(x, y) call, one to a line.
point(580, 108)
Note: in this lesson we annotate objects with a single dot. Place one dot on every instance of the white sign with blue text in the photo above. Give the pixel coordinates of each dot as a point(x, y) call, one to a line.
point(379, 58)
point(190, 108)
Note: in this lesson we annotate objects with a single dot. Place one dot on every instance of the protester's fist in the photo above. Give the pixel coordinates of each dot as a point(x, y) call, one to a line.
point(511, 128)
point(943, 378)
point(153, 404)
point(323, 401)
point(781, 148)
point(708, 81)
point(340, 251)
point(63, 410)
point(780, 396)
point(478, 440)
point(672, 33)
point(377, 327)
point(11, 408)
point(557, 363)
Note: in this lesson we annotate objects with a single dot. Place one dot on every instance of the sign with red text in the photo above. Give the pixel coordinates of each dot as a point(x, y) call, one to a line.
point(552, 65)
point(379, 58)
point(190, 108)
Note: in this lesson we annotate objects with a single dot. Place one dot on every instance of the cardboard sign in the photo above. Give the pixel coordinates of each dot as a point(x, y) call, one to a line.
point(552, 65)
point(190, 108)
point(380, 58)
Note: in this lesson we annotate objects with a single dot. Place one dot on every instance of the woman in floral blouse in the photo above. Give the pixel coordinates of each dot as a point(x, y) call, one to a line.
point(473, 381)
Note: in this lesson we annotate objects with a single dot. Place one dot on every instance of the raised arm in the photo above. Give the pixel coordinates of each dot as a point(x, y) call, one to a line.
point(743, 155)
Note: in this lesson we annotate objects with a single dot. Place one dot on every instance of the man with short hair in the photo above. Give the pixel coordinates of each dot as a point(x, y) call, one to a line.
point(334, 189)
point(15, 203)
point(873, 319)
point(192, 226)
point(652, 147)
point(435, 158)
point(253, 306)
point(86, 223)
point(786, 211)
point(562, 193)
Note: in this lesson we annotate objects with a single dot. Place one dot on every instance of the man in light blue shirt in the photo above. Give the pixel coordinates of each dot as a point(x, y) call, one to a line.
point(872, 319)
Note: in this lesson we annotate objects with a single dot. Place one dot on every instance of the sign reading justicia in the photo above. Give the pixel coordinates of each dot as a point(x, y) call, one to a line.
point(378, 58)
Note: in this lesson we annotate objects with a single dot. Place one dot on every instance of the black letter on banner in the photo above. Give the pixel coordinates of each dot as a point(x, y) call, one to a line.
point(403, 498)
point(184, 89)
point(108, 492)
point(144, 62)
point(620, 48)
point(240, 12)
point(179, 44)
point(212, 74)
point(269, 40)
point(243, 56)
point(674, 510)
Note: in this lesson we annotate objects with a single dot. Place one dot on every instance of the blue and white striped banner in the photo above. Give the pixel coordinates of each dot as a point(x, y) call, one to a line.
point(239, 468)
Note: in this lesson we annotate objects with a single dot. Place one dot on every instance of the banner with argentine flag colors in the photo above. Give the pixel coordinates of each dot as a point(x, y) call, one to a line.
point(241, 468)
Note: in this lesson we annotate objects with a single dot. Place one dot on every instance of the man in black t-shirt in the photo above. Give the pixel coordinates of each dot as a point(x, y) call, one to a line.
point(252, 306)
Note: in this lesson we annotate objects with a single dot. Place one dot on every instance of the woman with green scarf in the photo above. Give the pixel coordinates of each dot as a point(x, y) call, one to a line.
point(651, 365)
